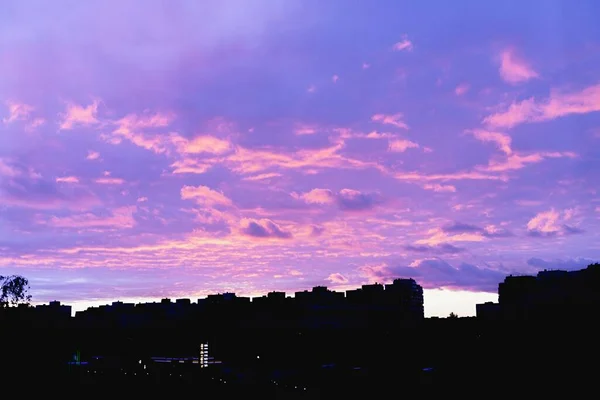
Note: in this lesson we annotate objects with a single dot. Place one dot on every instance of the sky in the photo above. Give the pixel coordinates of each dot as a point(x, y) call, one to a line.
point(153, 149)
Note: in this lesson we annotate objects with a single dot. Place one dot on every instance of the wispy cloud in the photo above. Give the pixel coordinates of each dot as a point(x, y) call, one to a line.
point(514, 69)
point(552, 223)
point(110, 181)
point(78, 115)
point(558, 104)
point(393, 119)
point(403, 45)
point(204, 195)
point(462, 89)
point(67, 179)
point(93, 155)
point(17, 111)
point(401, 145)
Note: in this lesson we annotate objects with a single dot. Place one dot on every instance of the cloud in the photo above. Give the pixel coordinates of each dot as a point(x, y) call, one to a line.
point(354, 200)
point(316, 230)
point(22, 191)
point(436, 187)
point(133, 127)
point(558, 104)
point(142, 199)
point(263, 228)
point(251, 161)
point(503, 141)
point(203, 195)
point(393, 119)
point(92, 155)
point(515, 70)
point(401, 145)
point(443, 248)
point(570, 264)
point(67, 179)
point(461, 89)
point(335, 78)
point(17, 111)
point(489, 231)
point(305, 130)
point(403, 45)
point(202, 144)
point(262, 177)
point(7, 170)
point(345, 199)
point(109, 181)
point(517, 161)
point(552, 223)
point(337, 279)
point(434, 273)
point(317, 196)
point(119, 218)
point(79, 115)
point(190, 166)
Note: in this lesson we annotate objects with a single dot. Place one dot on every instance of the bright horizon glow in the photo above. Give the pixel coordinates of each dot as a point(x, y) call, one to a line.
point(153, 149)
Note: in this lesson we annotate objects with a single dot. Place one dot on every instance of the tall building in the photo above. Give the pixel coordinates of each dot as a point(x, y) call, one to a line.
point(408, 295)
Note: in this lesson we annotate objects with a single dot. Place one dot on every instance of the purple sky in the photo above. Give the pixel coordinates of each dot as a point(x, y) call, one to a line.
point(179, 148)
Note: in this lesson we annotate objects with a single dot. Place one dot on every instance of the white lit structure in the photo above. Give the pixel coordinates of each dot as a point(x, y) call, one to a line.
point(203, 355)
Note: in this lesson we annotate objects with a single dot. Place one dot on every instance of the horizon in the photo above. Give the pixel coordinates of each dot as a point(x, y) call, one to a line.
point(156, 150)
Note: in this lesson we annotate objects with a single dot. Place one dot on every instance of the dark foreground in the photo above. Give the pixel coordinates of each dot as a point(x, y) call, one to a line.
point(458, 356)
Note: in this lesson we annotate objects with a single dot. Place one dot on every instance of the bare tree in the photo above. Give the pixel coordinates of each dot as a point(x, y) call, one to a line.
point(14, 290)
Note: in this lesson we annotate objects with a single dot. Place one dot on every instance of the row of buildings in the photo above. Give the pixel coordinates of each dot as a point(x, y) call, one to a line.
point(549, 295)
point(400, 301)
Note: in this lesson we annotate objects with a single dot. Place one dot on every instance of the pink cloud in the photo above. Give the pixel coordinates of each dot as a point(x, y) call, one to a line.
point(317, 196)
point(503, 141)
point(142, 199)
point(345, 199)
point(263, 229)
point(366, 65)
point(517, 161)
point(110, 181)
point(311, 89)
point(552, 223)
point(515, 70)
point(262, 177)
point(67, 179)
point(337, 278)
point(456, 176)
point(401, 145)
point(120, 218)
point(395, 120)
point(79, 115)
point(305, 130)
point(17, 111)
point(436, 187)
point(202, 144)
point(132, 127)
point(190, 166)
point(204, 195)
point(439, 236)
point(462, 89)
point(403, 45)
point(92, 155)
point(335, 78)
point(248, 161)
point(558, 104)
point(8, 170)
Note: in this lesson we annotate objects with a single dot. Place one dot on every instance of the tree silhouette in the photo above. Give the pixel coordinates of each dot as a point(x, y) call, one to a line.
point(452, 315)
point(14, 289)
